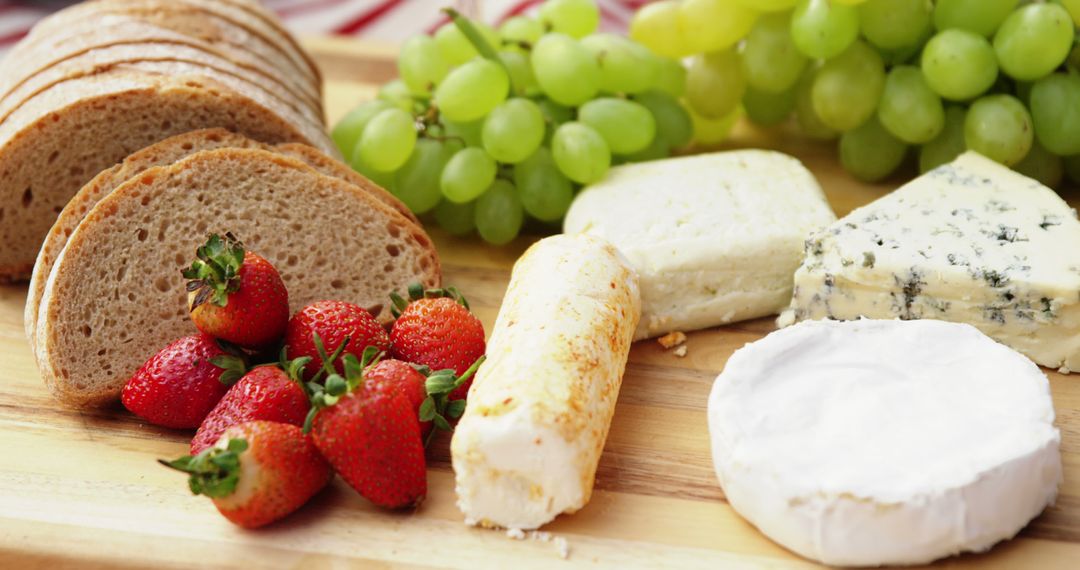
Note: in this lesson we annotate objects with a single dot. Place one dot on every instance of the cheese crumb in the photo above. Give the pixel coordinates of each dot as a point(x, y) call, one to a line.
point(563, 547)
point(515, 533)
point(680, 351)
point(672, 339)
point(540, 535)
point(1064, 370)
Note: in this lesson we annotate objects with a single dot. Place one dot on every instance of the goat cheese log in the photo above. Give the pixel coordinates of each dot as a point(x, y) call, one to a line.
point(539, 410)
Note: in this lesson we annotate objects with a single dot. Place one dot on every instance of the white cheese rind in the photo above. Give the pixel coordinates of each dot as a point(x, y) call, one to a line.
point(972, 242)
point(714, 237)
point(864, 443)
point(539, 410)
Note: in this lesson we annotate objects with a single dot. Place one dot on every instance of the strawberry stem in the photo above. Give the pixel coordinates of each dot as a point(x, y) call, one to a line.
point(214, 273)
point(215, 471)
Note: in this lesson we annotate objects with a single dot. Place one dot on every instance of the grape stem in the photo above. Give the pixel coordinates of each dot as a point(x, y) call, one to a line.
point(477, 40)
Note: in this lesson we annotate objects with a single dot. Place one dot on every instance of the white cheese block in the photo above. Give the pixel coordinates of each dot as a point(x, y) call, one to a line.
point(972, 242)
point(714, 237)
point(539, 410)
point(864, 443)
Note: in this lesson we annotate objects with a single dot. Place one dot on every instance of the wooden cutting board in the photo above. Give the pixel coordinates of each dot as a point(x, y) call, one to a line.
point(81, 488)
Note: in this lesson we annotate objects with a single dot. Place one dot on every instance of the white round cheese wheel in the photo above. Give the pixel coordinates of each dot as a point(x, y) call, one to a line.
point(866, 443)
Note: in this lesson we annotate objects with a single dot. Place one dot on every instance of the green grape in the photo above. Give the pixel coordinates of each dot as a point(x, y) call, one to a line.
point(1073, 6)
point(909, 109)
point(417, 183)
point(347, 131)
point(771, 62)
point(671, 77)
point(420, 65)
point(468, 132)
point(894, 24)
point(657, 149)
point(767, 109)
point(1055, 110)
point(870, 153)
point(384, 180)
point(768, 5)
point(522, 80)
point(1042, 165)
point(847, 87)
point(575, 18)
point(715, 83)
point(807, 117)
point(513, 130)
point(1072, 167)
point(472, 90)
point(544, 191)
point(849, 2)
point(999, 128)
point(907, 54)
point(397, 94)
point(959, 64)
point(822, 29)
point(456, 49)
point(456, 219)
point(521, 30)
point(713, 25)
point(566, 71)
point(949, 143)
point(626, 126)
point(498, 213)
point(580, 153)
point(625, 66)
point(467, 174)
point(1033, 41)
point(713, 131)
point(656, 26)
point(979, 16)
point(388, 140)
point(673, 123)
point(554, 115)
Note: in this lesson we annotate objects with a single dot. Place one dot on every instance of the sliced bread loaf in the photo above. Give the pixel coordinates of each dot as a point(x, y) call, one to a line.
point(115, 294)
point(158, 58)
point(166, 153)
point(39, 52)
point(192, 17)
point(55, 143)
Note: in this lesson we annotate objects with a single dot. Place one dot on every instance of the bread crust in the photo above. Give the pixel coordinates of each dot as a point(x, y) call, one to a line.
point(133, 56)
point(41, 51)
point(65, 303)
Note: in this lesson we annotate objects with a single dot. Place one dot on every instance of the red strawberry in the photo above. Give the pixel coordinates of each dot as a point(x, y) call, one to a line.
point(179, 386)
point(371, 437)
point(270, 393)
point(395, 376)
point(333, 322)
point(236, 295)
point(437, 330)
point(257, 473)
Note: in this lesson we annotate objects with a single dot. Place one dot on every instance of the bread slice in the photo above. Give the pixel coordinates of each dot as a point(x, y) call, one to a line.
point(52, 145)
point(255, 8)
point(115, 294)
point(166, 153)
point(157, 58)
point(193, 17)
point(43, 51)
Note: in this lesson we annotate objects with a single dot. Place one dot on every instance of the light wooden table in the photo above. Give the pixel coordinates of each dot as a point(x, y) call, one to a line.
point(81, 488)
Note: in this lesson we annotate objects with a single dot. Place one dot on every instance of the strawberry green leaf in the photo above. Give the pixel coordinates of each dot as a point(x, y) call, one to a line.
point(213, 274)
point(455, 408)
point(215, 471)
point(438, 384)
point(441, 423)
point(427, 409)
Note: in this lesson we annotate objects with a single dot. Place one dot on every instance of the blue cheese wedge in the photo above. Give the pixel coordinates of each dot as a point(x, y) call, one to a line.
point(972, 242)
point(873, 442)
point(527, 448)
point(714, 237)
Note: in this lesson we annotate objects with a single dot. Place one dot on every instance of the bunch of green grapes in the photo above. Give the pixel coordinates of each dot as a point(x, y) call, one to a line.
point(486, 128)
point(888, 77)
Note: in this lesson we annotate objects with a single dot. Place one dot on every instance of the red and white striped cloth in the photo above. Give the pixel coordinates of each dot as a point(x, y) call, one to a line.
point(387, 20)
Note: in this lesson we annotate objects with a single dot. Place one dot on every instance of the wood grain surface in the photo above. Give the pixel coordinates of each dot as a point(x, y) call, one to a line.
point(82, 489)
